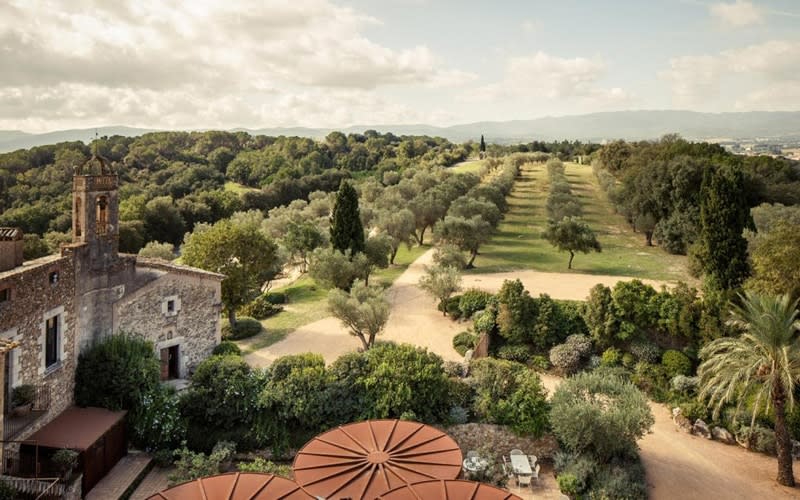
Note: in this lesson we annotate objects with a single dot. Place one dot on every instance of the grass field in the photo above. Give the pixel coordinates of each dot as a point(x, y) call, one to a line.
point(468, 167)
point(518, 244)
point(308, 302)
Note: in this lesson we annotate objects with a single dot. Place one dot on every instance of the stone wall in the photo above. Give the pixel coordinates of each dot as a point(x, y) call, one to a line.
point(191, 321)
point(38, 295)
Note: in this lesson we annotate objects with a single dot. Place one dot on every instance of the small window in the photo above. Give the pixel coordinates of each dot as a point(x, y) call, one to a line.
point(51, 342)
point(171, 306)
point(53, 277)
point(5, 295)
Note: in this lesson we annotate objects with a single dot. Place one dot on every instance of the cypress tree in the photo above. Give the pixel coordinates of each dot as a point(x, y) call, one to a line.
point(347, 233)
point(724, 214)
point(483, 145)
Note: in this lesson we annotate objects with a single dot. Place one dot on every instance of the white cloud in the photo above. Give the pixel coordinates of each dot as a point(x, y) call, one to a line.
point(551, 77)
point(230, 62)
point(737, 14)
point(770, 66)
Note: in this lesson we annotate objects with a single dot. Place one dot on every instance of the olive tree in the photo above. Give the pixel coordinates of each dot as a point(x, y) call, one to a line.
point(441, 282)
point(364, 311)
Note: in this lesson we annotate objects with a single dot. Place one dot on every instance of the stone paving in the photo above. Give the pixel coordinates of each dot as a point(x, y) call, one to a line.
point(114, 484)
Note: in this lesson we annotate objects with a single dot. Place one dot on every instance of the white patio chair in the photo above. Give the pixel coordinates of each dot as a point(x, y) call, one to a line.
point(536, 472)
point(523, 480)
point(516, 452)
point(532, 459)
point(472, 454)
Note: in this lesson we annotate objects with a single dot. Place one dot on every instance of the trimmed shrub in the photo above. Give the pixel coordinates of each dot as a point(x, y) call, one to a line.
point(245, 327)
point(539, 363)
point(568, 484)
point(116, 373)
point(646, 351)
point(611, 357)
point(684, 384)
point(651, 378)
point(276, 298)
point(676, 363)
point(515, 352)
point(450, 306)
point(225, 348)
point(260, 308)
point(569, 356)
point(693, 410)
point(473, 301)
point(464, 341)
point(485, 321)
point(458, 415)
point(600, 414)
point(628, 360)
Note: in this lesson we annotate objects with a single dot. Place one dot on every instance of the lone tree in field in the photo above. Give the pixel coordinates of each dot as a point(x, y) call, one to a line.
point(441, 282)
point(468, 234)
point(763, 362)
point(365, 310)
point(347, 233)
point(572, 235)
point(483, 145)
point(239, 251)
point(724, 214)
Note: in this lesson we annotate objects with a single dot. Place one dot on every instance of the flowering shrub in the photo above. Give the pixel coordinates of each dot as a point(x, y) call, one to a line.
point(157, 423)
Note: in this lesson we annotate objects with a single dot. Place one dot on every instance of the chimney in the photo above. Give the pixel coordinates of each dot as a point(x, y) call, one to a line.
point(10, 248)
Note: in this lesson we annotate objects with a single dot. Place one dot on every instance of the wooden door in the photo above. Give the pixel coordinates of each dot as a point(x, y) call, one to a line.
point(165, 364)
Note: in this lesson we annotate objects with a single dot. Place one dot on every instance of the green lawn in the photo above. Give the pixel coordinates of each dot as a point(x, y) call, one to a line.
point(238, 188)
point(468, 167)
point(307, 301)
point(518, 244)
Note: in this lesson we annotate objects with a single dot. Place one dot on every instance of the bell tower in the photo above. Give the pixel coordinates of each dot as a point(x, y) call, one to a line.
point(95, 211)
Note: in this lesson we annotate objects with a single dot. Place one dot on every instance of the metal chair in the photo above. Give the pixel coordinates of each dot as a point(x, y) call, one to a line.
point(536, 472)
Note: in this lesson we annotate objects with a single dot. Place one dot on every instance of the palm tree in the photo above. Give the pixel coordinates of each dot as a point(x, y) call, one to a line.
point(764, 361)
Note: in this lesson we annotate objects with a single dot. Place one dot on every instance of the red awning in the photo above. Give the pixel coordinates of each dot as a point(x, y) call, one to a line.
point(76, 428)
point(236, 486)
point(448, 490)
point(366, 459)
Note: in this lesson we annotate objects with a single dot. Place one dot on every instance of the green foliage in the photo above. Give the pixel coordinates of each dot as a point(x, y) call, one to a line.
point(758, 439)
point(571, 234)
point(7, 491)
point(568, 484)
point(23, 394)
point(684, 384)
point(516, 312)
point(652, 378)
point(264, 466)
point(776, 262)
point(156, 250)
point(403, 378)
point(468, 234)
point(611, 357)
point(724, 215)
point(347, 233)
point(301, 239)
point(599, 414)
point(472, 301)
point(569, 356)
point(645, 351)
point(440, 282)
point(450, 307)
point(628, 360)
point(245, 327)
point(676, 363)
point(464, 341)
point(333, 269)
point(33, 247)
point(259, 308)
point(539, 363)
point(449, 255)
point(225, 348)
point(221, 402)
point(364, 311)
point(116, 373)
point(508, 393)
point(520, 353)
point(190, 465)
point(276, 298)
point(157, 424)
point(239, 251)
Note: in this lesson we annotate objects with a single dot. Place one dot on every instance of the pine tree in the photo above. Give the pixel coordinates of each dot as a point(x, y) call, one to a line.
point(347, 233)
point(483, 145)
point(724, 214)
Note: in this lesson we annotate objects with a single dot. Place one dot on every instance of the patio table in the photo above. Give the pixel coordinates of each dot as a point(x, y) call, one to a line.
point(521, 465)
point(475, 464)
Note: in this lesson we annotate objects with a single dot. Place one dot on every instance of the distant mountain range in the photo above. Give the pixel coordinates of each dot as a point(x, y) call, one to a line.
point(631, 125)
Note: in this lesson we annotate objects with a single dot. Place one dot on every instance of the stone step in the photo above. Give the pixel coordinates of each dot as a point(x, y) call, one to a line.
point(128, 471)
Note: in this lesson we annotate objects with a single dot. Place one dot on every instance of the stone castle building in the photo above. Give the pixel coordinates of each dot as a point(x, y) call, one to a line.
point(53, 308)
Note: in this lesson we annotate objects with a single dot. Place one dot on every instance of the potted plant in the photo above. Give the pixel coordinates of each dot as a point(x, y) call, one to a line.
point(65, 459)
point(22, 399)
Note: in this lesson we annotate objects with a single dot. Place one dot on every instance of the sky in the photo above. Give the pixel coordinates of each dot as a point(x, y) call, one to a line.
point(334, 63)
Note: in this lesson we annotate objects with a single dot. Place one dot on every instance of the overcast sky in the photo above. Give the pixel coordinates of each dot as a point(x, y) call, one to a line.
point(333, 63)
